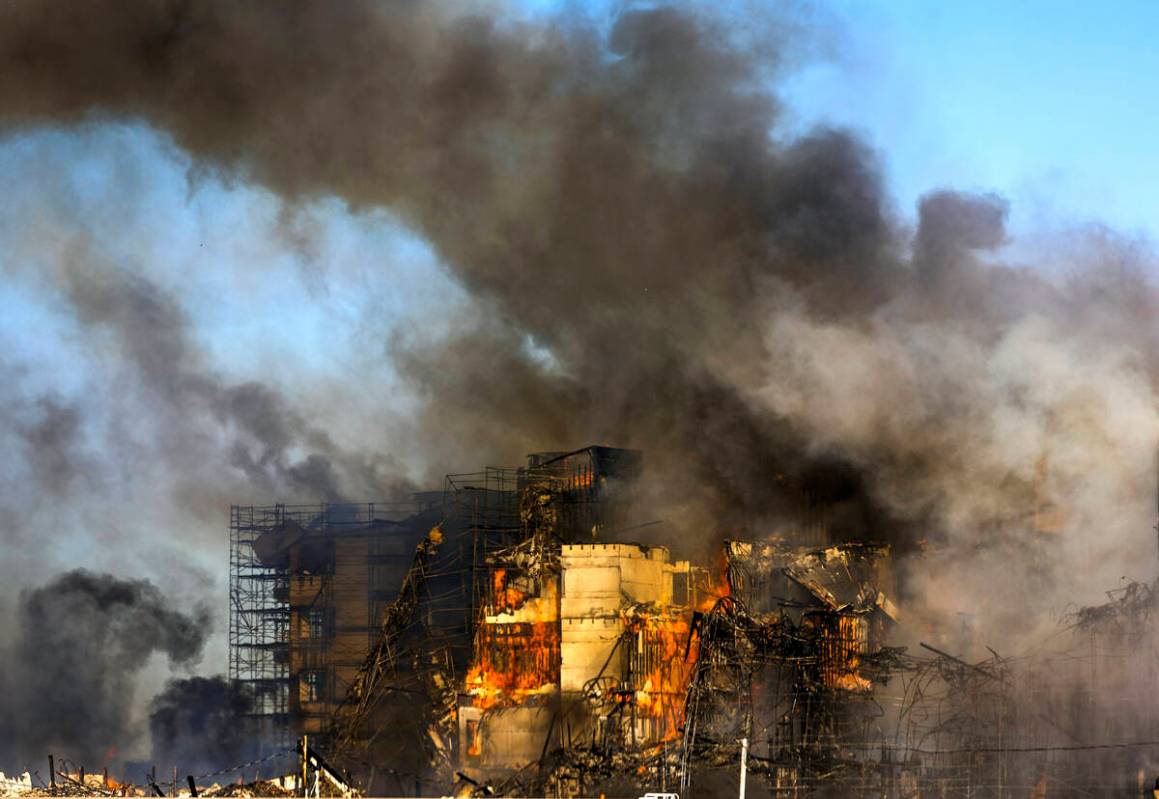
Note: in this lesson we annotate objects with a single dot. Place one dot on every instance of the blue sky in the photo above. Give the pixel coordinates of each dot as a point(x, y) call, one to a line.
point(1052, 104)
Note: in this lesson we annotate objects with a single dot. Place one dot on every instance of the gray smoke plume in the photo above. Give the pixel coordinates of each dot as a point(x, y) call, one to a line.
point(197, 725)
point(652, 262)
point(621, 207)
point(149, 332)
point(69, 675)
point(745, 309)
point(50, 445)
point(199, 439)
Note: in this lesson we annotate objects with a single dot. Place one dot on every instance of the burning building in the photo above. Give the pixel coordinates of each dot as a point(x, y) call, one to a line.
point(507, 636)
point(316, 589)
point(790, 659)
point(516, 613)
point(593, 650)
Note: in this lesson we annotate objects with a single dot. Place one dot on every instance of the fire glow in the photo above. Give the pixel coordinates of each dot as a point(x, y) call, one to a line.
point(516, 647)
point(667, 651)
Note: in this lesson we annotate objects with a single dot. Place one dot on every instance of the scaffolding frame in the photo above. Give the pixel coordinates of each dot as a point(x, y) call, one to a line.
point(498, 507)
point(259, 618)
point(486, 505)
point(259, 604)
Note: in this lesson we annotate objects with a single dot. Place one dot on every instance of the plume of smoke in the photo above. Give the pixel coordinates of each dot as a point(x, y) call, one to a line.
point(196, 723)
point(70, 673)
point(150, 333)
point(639, 188)
point(173, 426)
point(650, 267)
point(50, 445)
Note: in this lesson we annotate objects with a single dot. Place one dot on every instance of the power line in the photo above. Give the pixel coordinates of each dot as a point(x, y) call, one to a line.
point(1022, 749)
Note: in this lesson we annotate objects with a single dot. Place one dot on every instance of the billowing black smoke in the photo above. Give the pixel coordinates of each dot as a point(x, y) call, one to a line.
point(652, 261)
point(619, 202)
point(197, 724)
point(69, 676)
point(743, 307)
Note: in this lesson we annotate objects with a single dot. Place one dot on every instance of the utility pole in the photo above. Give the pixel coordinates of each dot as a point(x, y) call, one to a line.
point(302, 774)
point(744, 763)
point(664, 766)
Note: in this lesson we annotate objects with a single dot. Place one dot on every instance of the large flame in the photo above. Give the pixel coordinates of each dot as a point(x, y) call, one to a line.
point(516, 645)
point(517, 652)
point(666, 651)
point(718, 585)
point(504, 597)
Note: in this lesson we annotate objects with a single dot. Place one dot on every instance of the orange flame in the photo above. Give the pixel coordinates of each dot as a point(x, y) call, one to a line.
point(476, 747)
point(504, 597)
point(516, 646)
point(517, 653)
point(666, 658)
point(583, 479)
point(842, 644)
point(719, 586)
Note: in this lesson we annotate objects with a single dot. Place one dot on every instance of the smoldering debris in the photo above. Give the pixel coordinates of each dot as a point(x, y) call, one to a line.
point(1128, 610)
point(76, 783)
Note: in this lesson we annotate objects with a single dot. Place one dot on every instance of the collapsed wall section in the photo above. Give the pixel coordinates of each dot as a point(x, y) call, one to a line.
point(791, 662)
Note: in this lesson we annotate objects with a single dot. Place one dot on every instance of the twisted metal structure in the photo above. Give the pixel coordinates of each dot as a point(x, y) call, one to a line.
point(382, 661)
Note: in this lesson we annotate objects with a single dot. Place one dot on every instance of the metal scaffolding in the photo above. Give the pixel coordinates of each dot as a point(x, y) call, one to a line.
point(485, 506)
point(559, 497)
point(259, 617)
point(260, 608)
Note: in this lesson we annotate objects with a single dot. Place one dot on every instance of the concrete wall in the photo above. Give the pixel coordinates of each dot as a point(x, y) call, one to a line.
point(506, 738)
point(585, 646)
point(599, 580)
